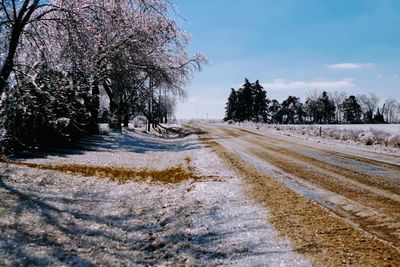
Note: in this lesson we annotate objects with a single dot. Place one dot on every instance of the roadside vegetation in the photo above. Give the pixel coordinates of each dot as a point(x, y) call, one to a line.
point(387, 135)
point(58, 59)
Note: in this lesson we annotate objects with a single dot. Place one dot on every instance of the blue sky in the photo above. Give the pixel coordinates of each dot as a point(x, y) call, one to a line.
point(292, 47)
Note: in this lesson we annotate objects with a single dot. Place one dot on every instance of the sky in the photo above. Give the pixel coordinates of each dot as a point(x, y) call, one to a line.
point(292, 47)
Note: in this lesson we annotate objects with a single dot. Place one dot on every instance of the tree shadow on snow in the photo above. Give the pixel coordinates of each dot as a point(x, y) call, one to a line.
point(45, 229)
point(136, 144)
point(113, 142)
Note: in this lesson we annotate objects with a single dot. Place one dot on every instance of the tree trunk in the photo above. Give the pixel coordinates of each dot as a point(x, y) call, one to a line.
point(94, 109)
point(114, 120)
point(126, 119)
point(149, 117)
point(9, 61)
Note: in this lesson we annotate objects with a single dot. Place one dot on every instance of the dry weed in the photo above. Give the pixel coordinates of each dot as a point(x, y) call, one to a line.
point(172, 175)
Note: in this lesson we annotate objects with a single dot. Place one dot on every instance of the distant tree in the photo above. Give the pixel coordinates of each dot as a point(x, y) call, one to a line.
point(246, 105)
point(352, 110)
point(232, 106)
point(368, 105)
point(338, 98)
point(249, 103)
point(328, 108)
point(275, 111)
point(397, 113)
point(378, 117)
point(260, 109)
point(314, 110)
point(319, 108)
point(312, 107)
point(292, 110)
point(389, 109)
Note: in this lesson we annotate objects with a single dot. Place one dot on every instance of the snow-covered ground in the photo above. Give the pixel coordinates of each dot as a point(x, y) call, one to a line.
point(53, 218)
point(382, 138)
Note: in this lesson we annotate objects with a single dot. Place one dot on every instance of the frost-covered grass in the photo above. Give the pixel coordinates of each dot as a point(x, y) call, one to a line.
point(368, 134)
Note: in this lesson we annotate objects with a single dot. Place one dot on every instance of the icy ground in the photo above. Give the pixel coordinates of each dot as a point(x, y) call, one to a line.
point(57, 219)
point(379, 138)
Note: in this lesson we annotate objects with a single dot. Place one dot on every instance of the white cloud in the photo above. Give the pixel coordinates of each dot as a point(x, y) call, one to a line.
point(350, 66)
point(282, 84)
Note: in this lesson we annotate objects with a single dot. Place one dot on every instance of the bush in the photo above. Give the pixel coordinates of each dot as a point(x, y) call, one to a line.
point(368, 139)
point(42, 111)
point(139, 121)
point(394, 140)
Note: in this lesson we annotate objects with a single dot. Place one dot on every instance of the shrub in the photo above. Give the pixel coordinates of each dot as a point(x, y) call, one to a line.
point(367, 138)
point(42, 111)
point(139, 121)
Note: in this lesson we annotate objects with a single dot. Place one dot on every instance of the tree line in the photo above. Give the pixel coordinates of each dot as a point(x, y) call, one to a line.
point(250, 103)
point(57, 58)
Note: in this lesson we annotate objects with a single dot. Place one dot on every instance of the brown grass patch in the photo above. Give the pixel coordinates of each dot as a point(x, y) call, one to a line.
point(188, 160)
point(173, 175)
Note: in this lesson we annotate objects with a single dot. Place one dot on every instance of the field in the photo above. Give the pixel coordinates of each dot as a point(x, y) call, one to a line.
point(383, 135)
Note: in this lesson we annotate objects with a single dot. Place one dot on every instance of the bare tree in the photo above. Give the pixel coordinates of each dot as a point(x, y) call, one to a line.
point(15, 17)
point(368, 103)
point(397, 113)
point(338, 98)
point(389, 109)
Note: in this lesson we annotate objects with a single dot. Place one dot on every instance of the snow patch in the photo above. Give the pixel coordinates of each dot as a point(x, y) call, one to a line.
point(380, 138)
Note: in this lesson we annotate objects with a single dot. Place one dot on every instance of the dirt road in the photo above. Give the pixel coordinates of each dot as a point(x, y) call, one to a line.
point(337, 205)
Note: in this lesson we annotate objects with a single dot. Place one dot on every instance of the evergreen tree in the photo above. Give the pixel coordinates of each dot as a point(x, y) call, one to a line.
point(352, 110)
point(368, 117)
point(275, 111)
point(378, 118)
point(260, 110)
point(231, 106)
point(328, 108)
point(246, 101)
point(44, 110)
point(292, 110)
point(249, 103)
point(314, 110)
